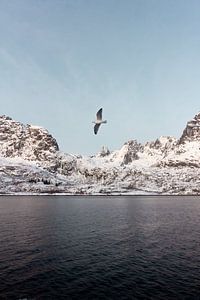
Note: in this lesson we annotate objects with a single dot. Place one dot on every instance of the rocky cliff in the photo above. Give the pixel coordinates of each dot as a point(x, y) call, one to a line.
point(30, 162)
point(33, 143)
point(191, 131)
point(26, 141)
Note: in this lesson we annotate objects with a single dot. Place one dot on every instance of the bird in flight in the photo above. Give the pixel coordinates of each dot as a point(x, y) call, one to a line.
point(98, 121)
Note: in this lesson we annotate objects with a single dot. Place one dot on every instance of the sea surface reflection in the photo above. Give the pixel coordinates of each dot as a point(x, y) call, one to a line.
point(99, 247)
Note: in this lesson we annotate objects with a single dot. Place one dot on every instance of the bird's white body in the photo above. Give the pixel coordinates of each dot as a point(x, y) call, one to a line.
point(99, 122)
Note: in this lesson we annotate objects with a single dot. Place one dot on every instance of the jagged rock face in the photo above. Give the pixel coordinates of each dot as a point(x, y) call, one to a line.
point(164, 142)
point(192, 130)
point(33, 143)
point(25, 141)
point(162, 166)
point(132, 151)
point(129, 152)
point(161, 146)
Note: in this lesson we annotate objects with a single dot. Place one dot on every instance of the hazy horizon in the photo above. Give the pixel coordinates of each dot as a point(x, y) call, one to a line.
point(60, 61)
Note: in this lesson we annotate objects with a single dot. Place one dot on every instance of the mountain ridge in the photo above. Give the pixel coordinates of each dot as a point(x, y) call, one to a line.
point(31, 162)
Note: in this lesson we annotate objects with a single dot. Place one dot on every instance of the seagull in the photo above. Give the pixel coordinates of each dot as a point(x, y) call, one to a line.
point(98, 121)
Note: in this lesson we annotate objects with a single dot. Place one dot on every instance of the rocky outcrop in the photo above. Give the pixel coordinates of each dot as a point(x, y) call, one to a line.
point(131, 153)
point(164, 143)
point(31, 162)
point(160, 147)
point(128, 153)
point(191, 131)
point(33, 143)
point(26, 141)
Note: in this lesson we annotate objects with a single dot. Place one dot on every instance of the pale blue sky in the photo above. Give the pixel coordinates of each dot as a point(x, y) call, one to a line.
point(62, 60)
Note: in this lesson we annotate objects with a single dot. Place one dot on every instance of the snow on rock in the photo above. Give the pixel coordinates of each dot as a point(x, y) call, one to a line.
point(20, 176)
point(161, 146)
point(191, 131)
point(33, 143)
point(30, 162)
point(25, 141)
point(186, 151)
point(128, 153)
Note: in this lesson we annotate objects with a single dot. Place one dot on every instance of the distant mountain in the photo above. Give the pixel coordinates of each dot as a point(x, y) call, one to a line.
point(33, 144)
point(30, 162)
point(26, 141)
point(192, 130)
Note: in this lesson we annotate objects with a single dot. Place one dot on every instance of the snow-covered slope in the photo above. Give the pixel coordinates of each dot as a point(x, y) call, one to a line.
point(27, 141)
point(33, 143)
point(30, 162)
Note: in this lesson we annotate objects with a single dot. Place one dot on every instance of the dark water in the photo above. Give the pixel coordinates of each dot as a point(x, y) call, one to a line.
point(58, 247)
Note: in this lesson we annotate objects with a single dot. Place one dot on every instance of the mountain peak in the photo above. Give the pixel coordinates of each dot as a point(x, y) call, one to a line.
point(191, 131)
point(26, 141)
point(162, 166)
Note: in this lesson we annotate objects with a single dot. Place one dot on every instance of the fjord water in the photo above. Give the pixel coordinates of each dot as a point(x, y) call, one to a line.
point(96, 247)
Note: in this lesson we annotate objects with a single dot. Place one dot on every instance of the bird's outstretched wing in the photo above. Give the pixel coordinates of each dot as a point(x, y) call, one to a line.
point(99, 114)
point(96, 127)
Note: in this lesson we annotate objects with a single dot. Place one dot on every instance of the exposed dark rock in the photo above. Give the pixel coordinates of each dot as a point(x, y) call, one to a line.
point(26, 141)
point(161, 166)
point(133, 147)
point(191, 131)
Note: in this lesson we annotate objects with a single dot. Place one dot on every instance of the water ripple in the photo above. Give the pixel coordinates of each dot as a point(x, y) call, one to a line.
point(99, 247)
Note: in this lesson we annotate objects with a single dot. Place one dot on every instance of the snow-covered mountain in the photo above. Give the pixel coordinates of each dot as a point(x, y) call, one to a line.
point(30, 162)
